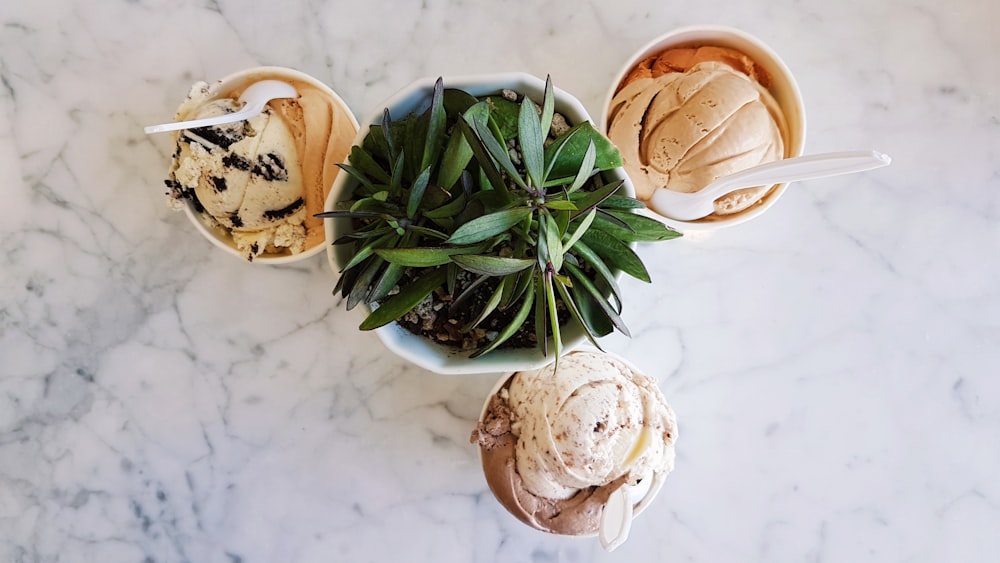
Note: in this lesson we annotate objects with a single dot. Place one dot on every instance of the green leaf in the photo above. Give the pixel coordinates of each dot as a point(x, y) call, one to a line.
point(385, 241)
point(616, 253)
point(548, 108)
point(489, 265)
point(488, 308)
point(387, 136)
point(452, 281)
point(423, 257)
point(449, 209)
point(467, 293)
point(349, 214)
point(388, 280)
point(581, 228)
point(511, 283)
point(633, 227)
point(427, 232)
point(582, 280)
point(586, 169)
point(573, 148)
point(553, 154)
point(362, 286)
point(560, 205)
point(562, 220)
point(567, 299)
point(515, 324)
point(373, 205)
point(496, 150)
point(346, 282)
point(504, 114)
point(591, 312)
point(585, 201)
point(550, 300)
point(553, 242)
point(417, 192)
point(435, 126)
point(529, 133)
point(622, 202)
point(409, 296)
point(396, 182)
point(364, 163)
point(358, 175)
point(538, 286)
point(486, 226)
point(457, 155)
point(456, 101)
point(486, 164)
point(371, 232)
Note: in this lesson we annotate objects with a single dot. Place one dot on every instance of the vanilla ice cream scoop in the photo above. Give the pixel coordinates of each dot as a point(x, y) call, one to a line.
point(682, 130)
point(594, 421)
point(246, 176)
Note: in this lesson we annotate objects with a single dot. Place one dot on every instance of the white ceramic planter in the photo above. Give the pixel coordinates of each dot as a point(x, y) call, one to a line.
point(417, 349)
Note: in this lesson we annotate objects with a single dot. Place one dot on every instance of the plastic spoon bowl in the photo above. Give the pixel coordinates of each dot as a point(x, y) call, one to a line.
point(690, 206)
point(616, 518)
point(254, 98)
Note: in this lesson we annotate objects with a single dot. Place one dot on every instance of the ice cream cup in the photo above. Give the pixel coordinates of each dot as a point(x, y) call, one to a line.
point(418, 349)
point(783, 88)
point(226, 88)
point(641, 495)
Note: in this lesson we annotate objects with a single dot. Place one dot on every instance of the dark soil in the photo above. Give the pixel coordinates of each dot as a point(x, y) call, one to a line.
point(437, 320)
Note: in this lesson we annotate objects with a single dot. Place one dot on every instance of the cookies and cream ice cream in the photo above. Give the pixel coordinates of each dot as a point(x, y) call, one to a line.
point(259, 182)
point(556, 444)
point(688, 116)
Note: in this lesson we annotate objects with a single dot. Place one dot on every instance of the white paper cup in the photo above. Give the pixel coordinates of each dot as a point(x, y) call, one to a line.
point(641, 495)
point(783, 88)
point(230, 87)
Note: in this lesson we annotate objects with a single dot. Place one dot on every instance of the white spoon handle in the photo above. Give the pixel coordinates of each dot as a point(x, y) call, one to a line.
point(799, 168)
point(243, 113)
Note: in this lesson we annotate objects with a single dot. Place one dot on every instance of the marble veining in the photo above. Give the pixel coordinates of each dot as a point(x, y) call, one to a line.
point(833, 363)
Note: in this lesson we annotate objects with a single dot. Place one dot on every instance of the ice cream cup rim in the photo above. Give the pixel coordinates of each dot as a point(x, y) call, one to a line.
point(658, 479)
point(780, 73)
point(189, 206)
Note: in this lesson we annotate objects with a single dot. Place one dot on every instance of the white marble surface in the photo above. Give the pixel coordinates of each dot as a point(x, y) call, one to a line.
point(834, 364)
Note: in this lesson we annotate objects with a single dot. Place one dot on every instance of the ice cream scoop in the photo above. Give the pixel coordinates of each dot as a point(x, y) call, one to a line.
point(681, 130)
point(254, 98)
point(562, 449)
point(684, 206)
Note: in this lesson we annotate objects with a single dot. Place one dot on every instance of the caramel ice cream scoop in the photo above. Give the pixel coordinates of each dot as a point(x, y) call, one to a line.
point(689, 116)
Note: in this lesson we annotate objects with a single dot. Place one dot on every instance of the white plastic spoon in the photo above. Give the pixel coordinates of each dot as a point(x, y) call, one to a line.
point(616, 518)
point(254, 98)
point(690, 206)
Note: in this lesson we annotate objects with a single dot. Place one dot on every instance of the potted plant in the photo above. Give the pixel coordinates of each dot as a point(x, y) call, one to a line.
point(484, 225)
